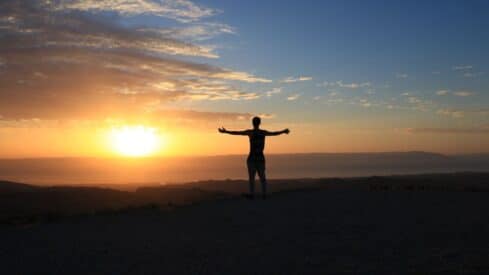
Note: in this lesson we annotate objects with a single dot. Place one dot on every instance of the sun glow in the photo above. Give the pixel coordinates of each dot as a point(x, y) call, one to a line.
point(134, 141)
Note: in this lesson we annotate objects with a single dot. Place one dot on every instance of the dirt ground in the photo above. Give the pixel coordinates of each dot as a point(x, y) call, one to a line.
point(301, 232)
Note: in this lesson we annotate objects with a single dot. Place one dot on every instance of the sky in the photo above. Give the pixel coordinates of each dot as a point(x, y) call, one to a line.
point(343, 76)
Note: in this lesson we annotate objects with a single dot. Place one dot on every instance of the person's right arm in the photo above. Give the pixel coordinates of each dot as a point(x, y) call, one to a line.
point(236, 133)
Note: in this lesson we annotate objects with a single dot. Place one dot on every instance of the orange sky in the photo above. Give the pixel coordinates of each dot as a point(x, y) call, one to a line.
point(75, 141)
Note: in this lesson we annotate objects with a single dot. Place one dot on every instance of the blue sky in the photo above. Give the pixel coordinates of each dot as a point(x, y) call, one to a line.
point(351, 36)
point(415, 47)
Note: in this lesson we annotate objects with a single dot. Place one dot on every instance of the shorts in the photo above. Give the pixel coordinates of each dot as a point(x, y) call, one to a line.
point(256, 166)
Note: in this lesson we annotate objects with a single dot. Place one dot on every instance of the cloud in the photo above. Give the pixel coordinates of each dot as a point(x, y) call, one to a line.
point(334, 100)
point(62, 61)
point(353, 85)
point(157, 117)
point(472, 75)
point(292, 79)
point(192, 115)
point(419, 104)
point(181, 10)
point(40, 75)
point(35, 26)
point(401, 75)
point(195, 32)
point(273, 91)
point(293, 97)
point(451, 113)
point(462, 67)
point(240, 76)
point(466, 71)
point(340, 84)
point(477, 130)
point(413, 99)
point(459, 113)
point(463, 93)
point(458, 93)
point(267, 116)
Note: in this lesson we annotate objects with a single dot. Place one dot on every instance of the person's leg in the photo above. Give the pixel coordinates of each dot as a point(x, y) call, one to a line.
point(263, 178)
point(251, 177)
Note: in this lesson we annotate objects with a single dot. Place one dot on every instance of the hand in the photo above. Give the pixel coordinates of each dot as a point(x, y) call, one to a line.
point(287, 131)
point(222, 130)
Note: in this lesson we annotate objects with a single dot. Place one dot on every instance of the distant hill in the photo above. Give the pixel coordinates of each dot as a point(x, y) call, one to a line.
point(22, 203)
point(13, 187)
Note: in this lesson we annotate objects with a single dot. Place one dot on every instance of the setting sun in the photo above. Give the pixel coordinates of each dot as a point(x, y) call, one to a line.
point(134, 141)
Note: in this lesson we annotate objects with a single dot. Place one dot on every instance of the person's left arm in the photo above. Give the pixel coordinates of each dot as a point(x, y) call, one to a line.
point(276, 133)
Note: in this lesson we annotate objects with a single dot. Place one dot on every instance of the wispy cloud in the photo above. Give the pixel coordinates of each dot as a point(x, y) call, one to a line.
point(402, 75)
point(462, 67)
point(419, 104)
point(334, 100)
point(476, 130)
point(196, 32)
point(451, 113)
point(49, 46)
point(273, 91)
point(365, 103)
point(38, 26)
point(341, 84)
point(267, 116)
point(293, 97)
point(192, 115)
point(370, 91)
point(467, 71)
point(473, 74)
point(456, 93)
point(459, 113)
point(292, 79)
point(413, 100)
point(240, 76)
point(463, 93)
point(353, 85)
point(181, 10)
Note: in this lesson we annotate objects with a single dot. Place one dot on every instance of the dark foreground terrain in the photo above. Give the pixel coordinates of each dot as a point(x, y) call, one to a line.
point(378, 225)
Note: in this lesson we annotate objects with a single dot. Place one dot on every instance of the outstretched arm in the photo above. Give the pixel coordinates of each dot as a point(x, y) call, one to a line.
point(284, 131)
point(236, 133)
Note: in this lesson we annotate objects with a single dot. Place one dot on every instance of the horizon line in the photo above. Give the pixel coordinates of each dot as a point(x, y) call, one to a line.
point(231, 155)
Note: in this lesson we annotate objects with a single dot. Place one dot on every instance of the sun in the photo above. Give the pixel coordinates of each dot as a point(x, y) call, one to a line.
point(134, 141)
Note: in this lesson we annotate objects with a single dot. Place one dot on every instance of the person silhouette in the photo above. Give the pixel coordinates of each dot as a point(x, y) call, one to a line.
point(256, 158)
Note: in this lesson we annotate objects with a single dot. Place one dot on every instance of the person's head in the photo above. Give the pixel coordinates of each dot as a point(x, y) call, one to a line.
point(256, 122)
